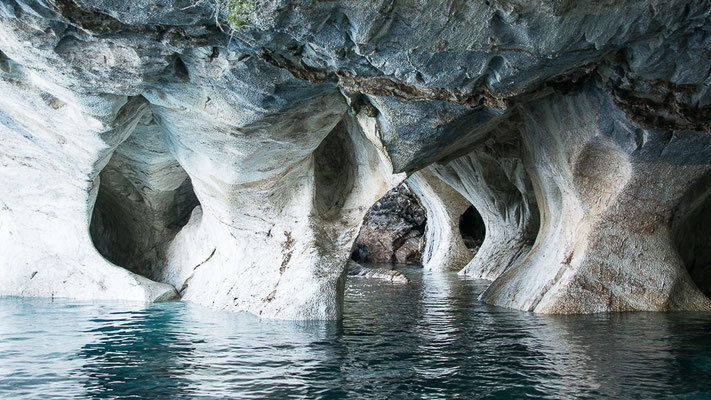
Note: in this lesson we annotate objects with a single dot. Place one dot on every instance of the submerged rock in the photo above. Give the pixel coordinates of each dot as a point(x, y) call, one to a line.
point(388, 275)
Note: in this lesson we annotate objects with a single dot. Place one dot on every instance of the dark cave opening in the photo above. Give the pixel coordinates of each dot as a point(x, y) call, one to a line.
point(691, 229)
point(472, 229)
point(392, 230)
point(145, 198)
point(130, 233)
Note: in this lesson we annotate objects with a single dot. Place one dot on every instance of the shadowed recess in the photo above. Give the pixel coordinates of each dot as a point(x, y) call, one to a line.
point(144, 199)
point(472, 228)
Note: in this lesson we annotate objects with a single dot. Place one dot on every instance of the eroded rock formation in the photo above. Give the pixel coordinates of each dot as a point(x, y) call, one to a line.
point(495, 181)
point(392, 230)
point(147, 152)
point(444, 246)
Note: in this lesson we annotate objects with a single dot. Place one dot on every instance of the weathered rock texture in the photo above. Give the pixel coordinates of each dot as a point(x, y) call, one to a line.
point(392, 230)
point(495, 181)
point(236, 167)
point(444, 246)
point(609, 188)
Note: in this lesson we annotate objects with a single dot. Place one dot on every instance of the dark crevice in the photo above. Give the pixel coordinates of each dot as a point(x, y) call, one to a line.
point(691, 228)
point(472, 229)
point(334, 168)
point(4, 63)
point(180, 70)
point(127, 233)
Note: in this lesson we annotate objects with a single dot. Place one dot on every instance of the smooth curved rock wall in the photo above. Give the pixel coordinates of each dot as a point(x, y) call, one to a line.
point(288, 130)
point(495, 181)
point(444, 246)
point(607, 189)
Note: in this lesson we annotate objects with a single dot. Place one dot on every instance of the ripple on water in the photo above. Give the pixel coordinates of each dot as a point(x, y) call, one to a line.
point(428, 339)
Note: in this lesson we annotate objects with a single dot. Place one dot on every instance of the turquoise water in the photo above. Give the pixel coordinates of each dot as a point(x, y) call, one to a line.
point(429, 339)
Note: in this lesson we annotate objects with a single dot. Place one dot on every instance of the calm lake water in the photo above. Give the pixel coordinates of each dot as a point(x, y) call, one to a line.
point(429, 339)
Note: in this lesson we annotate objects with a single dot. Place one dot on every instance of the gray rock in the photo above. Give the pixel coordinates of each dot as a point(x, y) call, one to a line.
point(118, 117)
point(394, 222)
point(358, 271)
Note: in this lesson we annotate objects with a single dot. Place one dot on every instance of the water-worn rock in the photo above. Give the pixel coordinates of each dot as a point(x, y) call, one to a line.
point(388, 275)
point(608, 188)
point(494, 180)
point(392, 230)
point(236, 166)
point(444, 246)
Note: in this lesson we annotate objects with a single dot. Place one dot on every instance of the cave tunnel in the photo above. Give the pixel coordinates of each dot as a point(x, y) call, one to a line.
point(472, 229)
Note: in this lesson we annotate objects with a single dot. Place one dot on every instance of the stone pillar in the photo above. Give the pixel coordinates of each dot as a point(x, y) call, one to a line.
point(607, 189)
point(444, 248)
point(494, 181)
point(282, 197)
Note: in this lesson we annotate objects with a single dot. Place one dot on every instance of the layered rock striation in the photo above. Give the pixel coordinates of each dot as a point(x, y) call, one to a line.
point(150, 152)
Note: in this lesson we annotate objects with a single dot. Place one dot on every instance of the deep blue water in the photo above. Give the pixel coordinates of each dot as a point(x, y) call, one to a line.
point(429, 339)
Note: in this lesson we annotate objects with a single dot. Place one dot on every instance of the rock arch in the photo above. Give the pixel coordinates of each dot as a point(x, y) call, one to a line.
point(444, 247)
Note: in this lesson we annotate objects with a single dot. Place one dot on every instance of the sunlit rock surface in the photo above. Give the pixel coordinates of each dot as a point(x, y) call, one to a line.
point(149, 152)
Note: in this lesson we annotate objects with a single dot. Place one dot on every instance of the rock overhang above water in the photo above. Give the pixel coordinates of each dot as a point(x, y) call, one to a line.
point(289, 128)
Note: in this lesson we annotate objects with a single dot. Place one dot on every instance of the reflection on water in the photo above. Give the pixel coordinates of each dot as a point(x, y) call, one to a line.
point(428, 339)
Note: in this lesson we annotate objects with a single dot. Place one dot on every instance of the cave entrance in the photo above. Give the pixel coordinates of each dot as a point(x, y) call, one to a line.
point(145, 198)
point(392, 230)
point(472, 229)
point(692, 234)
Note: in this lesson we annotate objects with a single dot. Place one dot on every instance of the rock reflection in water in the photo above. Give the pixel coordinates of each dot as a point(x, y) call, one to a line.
point(429, 338)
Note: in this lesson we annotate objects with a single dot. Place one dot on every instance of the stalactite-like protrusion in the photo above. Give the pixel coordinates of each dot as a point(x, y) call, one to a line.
point(444, 248)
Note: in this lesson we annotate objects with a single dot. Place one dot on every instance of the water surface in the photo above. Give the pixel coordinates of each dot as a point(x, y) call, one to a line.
point(429, 339)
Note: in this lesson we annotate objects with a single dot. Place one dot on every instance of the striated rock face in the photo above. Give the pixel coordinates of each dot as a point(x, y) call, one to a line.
point(609, 188)
point(147, 153)
point(392, 230)
point(495, 181)
point(444, 247)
